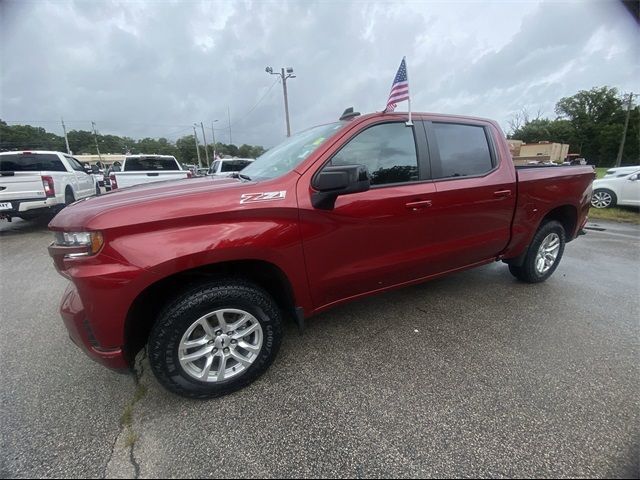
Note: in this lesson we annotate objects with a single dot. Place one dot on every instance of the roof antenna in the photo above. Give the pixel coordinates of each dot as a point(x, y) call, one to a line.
point(349, 114)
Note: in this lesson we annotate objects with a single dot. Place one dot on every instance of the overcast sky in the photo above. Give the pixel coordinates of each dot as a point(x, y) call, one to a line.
point(152, 68)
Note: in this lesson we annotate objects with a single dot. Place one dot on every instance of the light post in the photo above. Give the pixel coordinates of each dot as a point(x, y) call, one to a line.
point(213, 133)
point(284, 75)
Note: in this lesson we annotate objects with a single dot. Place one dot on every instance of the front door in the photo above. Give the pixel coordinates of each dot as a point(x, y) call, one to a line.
point(374, 239)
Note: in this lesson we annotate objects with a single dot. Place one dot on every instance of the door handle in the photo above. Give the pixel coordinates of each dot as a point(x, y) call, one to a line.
point(418, 205)
point(502, 193)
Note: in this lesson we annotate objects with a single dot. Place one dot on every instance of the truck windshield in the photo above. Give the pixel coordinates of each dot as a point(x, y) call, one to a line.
point(31, 162)
point(290, 153)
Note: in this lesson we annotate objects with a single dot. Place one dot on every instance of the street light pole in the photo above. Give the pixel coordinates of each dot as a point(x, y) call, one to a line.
point(624, 131)
point(213, 134)
point(284, 74)
point(204, 139)
point(195, 136)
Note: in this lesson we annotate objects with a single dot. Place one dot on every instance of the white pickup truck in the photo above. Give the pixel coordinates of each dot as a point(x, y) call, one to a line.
point(37, 183)
point(140, 169)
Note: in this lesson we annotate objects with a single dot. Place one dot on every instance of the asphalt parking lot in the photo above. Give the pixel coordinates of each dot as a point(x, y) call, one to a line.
point(470, 375)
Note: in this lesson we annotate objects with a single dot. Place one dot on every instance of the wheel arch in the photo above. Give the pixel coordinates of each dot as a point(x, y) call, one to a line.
point(147, 305)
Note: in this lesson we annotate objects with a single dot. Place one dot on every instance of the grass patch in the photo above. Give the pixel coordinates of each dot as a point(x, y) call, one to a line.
point(601, 171)
point(130, 439)
point(617, 214)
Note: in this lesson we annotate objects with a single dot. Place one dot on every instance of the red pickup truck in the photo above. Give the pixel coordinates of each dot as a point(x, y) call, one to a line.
point(204, 271)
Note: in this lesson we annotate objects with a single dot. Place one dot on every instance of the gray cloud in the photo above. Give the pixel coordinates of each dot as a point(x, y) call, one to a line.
point(154, 68)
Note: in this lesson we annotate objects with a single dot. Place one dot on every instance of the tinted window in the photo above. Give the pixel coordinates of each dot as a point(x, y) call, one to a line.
point(464, 150)
point(133, 164)
point(388, 151)
point(234, 165)
point(214, 167)
point(31, 162)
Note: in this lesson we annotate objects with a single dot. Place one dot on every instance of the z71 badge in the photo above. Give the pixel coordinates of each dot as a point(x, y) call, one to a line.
point(262, 197)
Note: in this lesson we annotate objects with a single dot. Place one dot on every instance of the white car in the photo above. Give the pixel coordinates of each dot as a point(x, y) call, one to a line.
point(617, 190)
point(34, 183)
point(226, 167)
point(620, 171)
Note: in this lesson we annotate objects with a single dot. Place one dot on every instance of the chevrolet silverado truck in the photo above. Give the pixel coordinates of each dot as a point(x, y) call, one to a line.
point(203, 272)
point(35, 184)
point(140, 169)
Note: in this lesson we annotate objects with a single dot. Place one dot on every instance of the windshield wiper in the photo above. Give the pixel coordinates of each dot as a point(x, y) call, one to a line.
point(241, 176)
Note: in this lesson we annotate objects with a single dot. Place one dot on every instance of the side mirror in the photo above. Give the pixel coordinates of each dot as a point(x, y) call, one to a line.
point(634, 178)
point(331, 182)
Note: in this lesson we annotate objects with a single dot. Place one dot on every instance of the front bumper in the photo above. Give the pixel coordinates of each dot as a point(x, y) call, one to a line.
point(78, 325)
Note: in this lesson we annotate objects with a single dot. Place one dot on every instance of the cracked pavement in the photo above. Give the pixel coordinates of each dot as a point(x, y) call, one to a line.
point(470, 375)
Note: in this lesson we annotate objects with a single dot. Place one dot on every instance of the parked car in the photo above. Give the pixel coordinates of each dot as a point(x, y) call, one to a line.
point(97, 174)
point(226, 167)
point(203, 273)
point(617, 189)
point(35, 183)
point(140, 169)
point(621, 171)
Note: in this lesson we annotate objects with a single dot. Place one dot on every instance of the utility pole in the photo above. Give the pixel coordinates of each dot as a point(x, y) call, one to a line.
point(204, 139)
point(624, 132)
point(95, 136)
point(213, 134)
point(229, 117)
point(284, 75)
point(66, 140)
point(195, 135)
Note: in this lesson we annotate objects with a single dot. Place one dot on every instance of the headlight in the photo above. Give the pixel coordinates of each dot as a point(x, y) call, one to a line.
point(79, 244)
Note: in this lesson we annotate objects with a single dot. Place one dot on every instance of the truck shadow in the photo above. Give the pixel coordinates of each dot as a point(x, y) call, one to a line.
point(18, 226)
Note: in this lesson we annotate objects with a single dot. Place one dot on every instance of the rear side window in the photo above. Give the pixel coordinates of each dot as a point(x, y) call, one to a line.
point(134, 164)
point(464, 150)
point(234, 165)
point(31, 162)
point(387, 150)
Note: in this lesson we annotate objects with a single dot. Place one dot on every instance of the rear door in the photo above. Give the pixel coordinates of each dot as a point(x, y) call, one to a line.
point(475, 193)
point(375, 239)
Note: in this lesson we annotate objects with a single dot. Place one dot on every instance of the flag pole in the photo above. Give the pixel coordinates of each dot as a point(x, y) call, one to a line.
point(409, 123)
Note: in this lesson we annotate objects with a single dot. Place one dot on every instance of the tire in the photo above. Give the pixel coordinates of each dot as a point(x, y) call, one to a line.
point(531, 271)
point(603, 198)
point(69, 198)
point(168, 354)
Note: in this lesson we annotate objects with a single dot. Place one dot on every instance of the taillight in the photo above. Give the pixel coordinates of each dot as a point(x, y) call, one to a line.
point(47, 183)
point(114, 182)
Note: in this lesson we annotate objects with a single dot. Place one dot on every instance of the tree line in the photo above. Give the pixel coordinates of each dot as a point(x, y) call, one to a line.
point(591, 122)
point(25, 137)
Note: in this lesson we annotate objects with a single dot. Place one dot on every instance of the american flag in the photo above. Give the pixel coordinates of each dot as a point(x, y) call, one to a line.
point(399, 89)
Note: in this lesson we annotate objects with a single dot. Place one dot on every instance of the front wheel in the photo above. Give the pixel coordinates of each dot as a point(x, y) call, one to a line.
point(215, 339)
point(544, 254)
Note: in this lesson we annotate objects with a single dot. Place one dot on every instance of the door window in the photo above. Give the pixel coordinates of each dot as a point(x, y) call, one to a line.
point(464, 151)
point(387, 150)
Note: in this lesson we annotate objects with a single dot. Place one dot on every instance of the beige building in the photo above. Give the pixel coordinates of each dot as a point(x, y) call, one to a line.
point(542, 151)
point(557, 152)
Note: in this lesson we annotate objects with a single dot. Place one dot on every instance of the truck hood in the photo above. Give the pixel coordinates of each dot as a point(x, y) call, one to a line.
point(152, 202)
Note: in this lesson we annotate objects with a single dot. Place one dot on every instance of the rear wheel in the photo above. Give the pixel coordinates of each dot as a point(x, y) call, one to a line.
point(215, 339)
point(544, 254)
point(603, 198)
point(69, 197)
